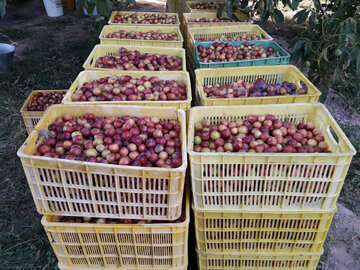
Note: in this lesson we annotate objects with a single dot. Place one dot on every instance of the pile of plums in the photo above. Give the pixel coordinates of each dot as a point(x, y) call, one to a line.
point(130, 141)
point(150, 35)
point(122, 88)
point(258, 88)
point(134, 60)
point(244, 37)
point(150, 18)
point(226, 52)
point(43, 100)
point(263, 133)
point(115, 221)
point(211, 20)
point(205, 5)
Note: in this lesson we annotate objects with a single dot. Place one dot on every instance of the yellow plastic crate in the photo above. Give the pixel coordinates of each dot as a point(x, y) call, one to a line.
point(271, 74)
point(109, 29)
point(228, 30)
point(270, 181)
point(31, 118)
point(194, 34)
point(63, 267)
point(193, 10)
point(114, 13)
point(189, 22)
point(120, 246)
point(102, 50)
point(254, 261)
point(76, 188)
point(247, 232)
point(88, 76)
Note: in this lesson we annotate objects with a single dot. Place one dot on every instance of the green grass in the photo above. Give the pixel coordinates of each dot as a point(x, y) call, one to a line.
point(45, 63)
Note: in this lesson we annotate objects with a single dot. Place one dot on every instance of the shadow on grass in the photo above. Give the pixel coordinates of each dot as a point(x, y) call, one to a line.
point(44, 64)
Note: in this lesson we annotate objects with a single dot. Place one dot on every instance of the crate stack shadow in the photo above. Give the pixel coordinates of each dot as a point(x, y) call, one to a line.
point(258, 210)
point(109, 216)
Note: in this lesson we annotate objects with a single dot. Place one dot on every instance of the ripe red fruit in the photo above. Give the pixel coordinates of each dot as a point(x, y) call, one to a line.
point(114, 148)
point(42, 100)
point(43, 149)
point(268, 123)
point(252, 118)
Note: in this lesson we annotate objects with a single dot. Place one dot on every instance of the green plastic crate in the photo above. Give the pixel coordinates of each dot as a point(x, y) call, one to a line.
point(282, 60)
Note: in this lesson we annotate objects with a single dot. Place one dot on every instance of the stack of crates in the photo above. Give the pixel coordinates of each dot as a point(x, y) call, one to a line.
point(193, 30)
point(199, 23)
point(105, 216)
point(266, 210)
point(260, 210)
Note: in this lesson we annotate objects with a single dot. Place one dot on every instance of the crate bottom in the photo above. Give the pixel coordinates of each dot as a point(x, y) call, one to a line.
point(65, 267)
point(207, 261)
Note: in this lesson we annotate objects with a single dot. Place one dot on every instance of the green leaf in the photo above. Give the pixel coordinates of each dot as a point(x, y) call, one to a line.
point(286, 3)
point(351, 36)
point(322, 55)
point(235, 18)
point(268, 5)
point(105, 7)
point(80, 3)
point(220, 11)
point(295, 4)
point(307, 48)
point(128, 2)
point(358, 64)
point(279, 17)
point(228, 9)
point(317, 5)
point(236, 3)
point(347, 27)
point(297, 46)
point(301, 16)
point(312, 19)
point(2, 8)
point(352, 56)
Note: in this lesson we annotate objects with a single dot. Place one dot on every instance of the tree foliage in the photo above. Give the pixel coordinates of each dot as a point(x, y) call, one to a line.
point(330, 43)
point(2, 8)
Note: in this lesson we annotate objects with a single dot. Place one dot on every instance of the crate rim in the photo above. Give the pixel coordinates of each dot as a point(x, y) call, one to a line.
point(132, 48)
point(265, 212)
point(203, 96)
point(241, 61)
point(142, 13)
point(64, 267)
point(211, 14)
point(123, 27)
point(32, 93)
point(204, 10)
point(34, 133)
point(259, 253)
point(230, 26)
point(46, 222)
point(124, 72)
point(351, 151)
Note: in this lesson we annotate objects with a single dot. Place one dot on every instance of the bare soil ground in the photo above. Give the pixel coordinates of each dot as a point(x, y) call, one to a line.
point(62, 45)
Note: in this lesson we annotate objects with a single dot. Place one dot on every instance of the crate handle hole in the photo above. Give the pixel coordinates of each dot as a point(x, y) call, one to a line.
point(333, 136)
point(302, 84)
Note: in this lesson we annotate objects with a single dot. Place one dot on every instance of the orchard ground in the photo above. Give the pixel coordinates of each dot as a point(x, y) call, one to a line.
point(49, 55)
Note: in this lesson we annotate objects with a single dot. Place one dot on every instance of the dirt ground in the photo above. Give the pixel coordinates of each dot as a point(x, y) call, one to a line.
point(342, 248)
